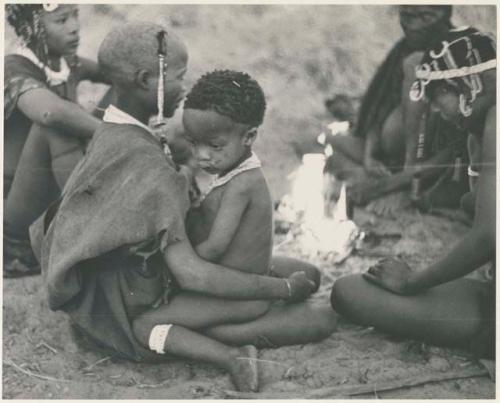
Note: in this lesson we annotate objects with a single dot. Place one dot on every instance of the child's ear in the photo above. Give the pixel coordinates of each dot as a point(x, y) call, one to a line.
point(250, 136)
point(143, 79)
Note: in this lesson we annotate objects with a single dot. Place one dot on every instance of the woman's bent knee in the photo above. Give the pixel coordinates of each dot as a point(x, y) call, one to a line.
point(341, 295)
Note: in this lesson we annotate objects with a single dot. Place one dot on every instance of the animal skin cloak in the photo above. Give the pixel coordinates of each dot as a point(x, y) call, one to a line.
point(100, 247)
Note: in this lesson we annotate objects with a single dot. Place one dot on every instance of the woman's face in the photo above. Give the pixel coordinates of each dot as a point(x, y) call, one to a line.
point(62, 30)
point(446, 101)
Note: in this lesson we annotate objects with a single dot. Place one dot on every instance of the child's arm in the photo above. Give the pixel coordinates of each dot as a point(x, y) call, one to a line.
point(474, 250)
point(89, 70)
point(233, 204)
point(44, 107)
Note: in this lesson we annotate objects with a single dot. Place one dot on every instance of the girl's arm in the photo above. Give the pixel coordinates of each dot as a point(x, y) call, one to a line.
point(194, 274)
point(474, 250)
point(44, 107)
point(89, 70)
point(478, 246)
point(234, 202)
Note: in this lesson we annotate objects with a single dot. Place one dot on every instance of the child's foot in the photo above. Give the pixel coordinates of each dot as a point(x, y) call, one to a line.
point(243, 369)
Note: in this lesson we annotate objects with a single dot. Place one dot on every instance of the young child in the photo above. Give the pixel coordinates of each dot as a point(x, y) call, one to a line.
point(233, 225)
point(44, 129)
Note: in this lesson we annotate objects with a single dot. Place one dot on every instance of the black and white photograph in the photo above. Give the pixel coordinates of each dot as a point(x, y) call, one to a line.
point(249, 201)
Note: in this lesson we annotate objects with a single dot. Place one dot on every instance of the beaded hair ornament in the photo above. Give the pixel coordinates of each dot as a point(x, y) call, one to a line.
point(25, 19)
point(458, 60)
point(162, 70)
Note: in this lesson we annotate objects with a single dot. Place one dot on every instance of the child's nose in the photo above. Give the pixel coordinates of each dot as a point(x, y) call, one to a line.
point(202, 153)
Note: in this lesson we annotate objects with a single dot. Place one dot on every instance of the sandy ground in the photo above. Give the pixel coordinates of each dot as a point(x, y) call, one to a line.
point(42, 357)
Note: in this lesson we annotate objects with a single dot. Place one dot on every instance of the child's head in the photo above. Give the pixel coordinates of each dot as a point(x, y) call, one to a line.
point(128, 56)
point(221, 116)
point(453, 73)
point(48, 29)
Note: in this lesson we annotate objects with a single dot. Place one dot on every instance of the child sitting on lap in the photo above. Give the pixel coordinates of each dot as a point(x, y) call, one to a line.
point(233, 224)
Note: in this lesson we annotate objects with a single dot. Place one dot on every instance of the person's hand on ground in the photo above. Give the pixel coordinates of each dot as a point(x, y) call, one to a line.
point(300, 287)
point(392, 274)
point(389, 205)
point(375, 167)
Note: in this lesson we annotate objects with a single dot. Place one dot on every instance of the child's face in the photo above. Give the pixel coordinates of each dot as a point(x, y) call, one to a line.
point(219, 143)
point(445, 100)
point(63, 30)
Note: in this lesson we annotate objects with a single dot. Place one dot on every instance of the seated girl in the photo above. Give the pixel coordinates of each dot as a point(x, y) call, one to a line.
point(438, 304)
point(45, 130)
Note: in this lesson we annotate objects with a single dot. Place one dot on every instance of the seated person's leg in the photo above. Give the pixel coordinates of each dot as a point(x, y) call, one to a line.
point(194, 311)
point(34, 186)
point(46, 160)
point(65, 153)
point(185, 343)
point(282, 266)
point(12, 149)
point(450, 314)
point(284, 324)
point(352, 147)
point(392, 141)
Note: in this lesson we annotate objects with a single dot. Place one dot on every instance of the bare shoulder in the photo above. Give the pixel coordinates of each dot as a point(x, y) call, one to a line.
point(247, 181)
point(412, 61)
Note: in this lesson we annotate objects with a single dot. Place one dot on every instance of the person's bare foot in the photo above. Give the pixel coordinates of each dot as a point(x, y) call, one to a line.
point(243, 369)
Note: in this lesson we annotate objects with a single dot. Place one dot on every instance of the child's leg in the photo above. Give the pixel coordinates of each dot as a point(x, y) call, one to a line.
point(196, 311)
point(449, 314)
point(282, 266)
point(283, 325)
point(239, 362)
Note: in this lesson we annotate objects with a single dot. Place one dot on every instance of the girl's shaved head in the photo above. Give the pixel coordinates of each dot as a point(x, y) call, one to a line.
point(134, 46)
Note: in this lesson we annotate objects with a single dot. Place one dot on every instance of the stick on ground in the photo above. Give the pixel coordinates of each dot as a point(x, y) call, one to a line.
point(362, 389)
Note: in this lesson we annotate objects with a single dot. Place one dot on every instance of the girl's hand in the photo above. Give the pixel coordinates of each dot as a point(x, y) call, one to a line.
point(392, 274)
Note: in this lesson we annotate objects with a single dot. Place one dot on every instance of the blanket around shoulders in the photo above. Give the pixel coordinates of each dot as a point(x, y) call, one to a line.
point(124, 193)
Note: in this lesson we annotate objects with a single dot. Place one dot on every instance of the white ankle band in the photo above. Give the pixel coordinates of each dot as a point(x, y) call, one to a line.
point(157, 338)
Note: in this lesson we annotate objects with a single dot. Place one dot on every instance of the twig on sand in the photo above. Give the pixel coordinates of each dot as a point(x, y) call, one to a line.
point(96, 363)
point(33, 374)
point(362, 389)
point(260, 360)
point(151, 386)
point(43, 344)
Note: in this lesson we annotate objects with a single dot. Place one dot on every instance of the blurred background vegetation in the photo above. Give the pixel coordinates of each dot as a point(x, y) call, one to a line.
point(300, 54)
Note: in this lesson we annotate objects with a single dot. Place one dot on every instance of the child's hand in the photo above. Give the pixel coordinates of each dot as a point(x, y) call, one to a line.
point(392, 274)
point(299, 287)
